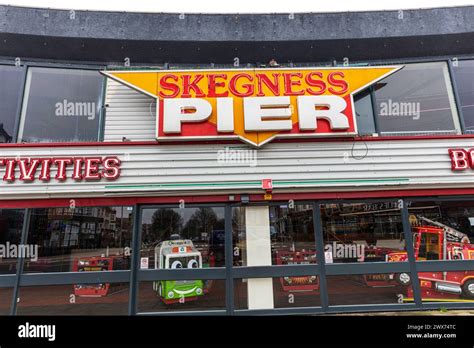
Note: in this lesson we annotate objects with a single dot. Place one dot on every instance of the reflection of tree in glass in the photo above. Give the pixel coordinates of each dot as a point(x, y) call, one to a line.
point(164, 223)
point(202, 220)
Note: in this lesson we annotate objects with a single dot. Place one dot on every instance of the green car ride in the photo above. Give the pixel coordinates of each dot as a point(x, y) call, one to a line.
point(176, 254)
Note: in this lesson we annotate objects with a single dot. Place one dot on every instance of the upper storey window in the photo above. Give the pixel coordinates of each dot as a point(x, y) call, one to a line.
point(364, 112)
point(64, 105)
point(10, 91)
point(61, 105)
point(417, 100)
point(464, 74)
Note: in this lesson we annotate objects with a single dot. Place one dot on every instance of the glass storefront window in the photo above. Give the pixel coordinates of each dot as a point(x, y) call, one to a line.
point(177, 238)
point(80, 239)
point(61, 105)
point(288, 292)
point(274, 235)
point(182, 238)
point(78, 299)
point(417, 99)
point(442, 230)
point(362, 232)
point(367, 289)
point(11, 224)
point(10, 90)
point(89, 239)
point(287, 232)
point(464, 75)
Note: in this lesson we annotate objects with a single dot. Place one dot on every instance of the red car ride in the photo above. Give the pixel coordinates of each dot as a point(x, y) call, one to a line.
point(297, 283)
point(95, 264)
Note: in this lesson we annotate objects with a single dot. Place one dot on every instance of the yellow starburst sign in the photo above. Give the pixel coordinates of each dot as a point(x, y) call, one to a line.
point(254, 105)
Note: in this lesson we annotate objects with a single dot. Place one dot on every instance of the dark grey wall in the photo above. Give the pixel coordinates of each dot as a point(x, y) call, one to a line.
point(203, 38)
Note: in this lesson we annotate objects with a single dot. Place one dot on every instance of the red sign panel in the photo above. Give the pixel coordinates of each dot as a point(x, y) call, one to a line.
point(44, 169)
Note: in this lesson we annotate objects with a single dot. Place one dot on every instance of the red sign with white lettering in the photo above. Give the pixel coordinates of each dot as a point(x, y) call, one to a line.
point(83, 168)
point(253, 105)
point(461, 159)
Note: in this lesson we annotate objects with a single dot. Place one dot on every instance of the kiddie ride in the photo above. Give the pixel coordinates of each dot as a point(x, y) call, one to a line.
point(438, 243)
point(97, 264)
point(178, 254)
point(303, 284)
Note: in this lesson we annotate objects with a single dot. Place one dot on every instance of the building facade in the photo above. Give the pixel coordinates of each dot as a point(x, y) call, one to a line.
point(109, 205)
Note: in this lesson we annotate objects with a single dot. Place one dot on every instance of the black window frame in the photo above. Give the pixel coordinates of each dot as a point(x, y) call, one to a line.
point(452, 74)
point(26, 64)
point(228, 273)
point(22, 66)
point(452, 78)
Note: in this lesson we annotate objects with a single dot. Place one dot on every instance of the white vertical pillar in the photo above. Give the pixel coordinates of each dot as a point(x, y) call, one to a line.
point(258, 244)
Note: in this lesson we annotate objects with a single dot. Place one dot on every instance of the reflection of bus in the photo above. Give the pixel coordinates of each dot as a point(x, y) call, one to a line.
point(178, 254)
point(96, 264)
